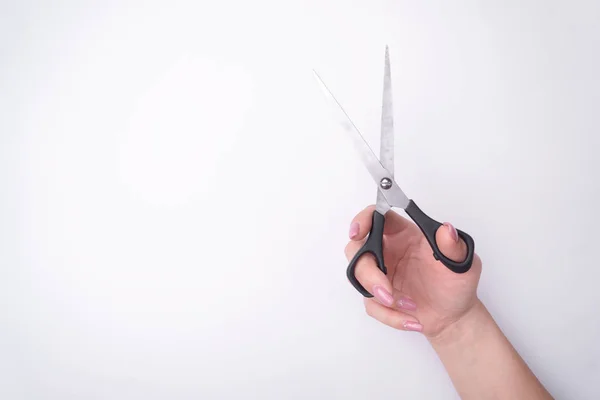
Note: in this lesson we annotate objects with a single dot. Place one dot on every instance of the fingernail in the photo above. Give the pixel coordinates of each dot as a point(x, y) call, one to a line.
point(383, 295)
point(413, 326)
point(406, 304)
point(452, 231)
point(354, 228)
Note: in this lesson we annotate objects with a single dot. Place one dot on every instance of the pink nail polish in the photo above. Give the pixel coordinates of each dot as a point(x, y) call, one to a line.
point(406, 304)
point(452, 231)
point(354, 228)
point(413, 326)
point(383, 295)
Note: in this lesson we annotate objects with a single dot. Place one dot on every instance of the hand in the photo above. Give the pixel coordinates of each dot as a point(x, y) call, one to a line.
point(419, 293)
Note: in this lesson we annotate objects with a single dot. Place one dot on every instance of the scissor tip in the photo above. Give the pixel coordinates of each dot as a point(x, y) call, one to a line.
point(316, 75)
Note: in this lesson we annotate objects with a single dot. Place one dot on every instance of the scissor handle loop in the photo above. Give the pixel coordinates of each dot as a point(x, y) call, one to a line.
point(429, 228)
point(373, 245)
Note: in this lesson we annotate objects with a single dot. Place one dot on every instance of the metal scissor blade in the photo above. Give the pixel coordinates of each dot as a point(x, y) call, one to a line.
point(386, 149)
point(394, 195)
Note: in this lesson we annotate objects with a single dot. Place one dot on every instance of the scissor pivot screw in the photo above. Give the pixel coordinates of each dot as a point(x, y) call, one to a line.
point(386, 183)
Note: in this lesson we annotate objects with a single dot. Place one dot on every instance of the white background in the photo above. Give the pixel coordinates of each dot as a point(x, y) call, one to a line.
point(175, 199)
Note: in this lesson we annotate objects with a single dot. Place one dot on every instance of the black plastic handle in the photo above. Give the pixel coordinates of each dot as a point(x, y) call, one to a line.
point(374, 246)
point(429, 227)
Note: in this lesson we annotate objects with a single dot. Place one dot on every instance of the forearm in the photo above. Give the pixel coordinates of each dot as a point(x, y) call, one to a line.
point(482, 363)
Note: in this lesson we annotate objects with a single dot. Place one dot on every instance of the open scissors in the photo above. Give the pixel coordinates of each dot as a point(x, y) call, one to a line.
point(389, 193)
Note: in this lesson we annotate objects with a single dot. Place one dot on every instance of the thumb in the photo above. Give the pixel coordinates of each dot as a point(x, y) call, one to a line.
point(449, 243)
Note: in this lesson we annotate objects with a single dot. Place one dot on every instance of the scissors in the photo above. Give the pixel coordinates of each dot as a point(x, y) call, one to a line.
point(389, 193)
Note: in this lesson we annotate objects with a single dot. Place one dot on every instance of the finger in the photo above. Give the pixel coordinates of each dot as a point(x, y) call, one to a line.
point(404, 302)
point(393, 318)
point(369, 276)
point(450, 243)
point(361, 223)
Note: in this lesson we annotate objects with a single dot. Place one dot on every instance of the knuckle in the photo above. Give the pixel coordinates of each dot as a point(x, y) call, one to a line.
point(397, 322)
point(369, 309)
point(349, 250)
point(369, 208)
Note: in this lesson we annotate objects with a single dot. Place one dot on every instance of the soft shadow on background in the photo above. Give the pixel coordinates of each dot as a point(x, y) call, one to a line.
point(175, 199)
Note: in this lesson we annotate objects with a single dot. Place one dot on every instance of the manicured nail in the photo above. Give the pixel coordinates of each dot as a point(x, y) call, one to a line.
point(354, 228)
point(413, 326)
point(383, 295)
point(406, 304)
point(452, 231)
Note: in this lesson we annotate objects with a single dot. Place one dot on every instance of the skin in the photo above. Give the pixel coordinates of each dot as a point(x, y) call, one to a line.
point(420, 294)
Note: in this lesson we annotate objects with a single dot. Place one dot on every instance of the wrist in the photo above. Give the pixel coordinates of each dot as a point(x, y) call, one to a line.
point(473, 343)
point(466, 329)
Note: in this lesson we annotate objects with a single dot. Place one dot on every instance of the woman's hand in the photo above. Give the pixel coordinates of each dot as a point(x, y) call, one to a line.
point(419, 293)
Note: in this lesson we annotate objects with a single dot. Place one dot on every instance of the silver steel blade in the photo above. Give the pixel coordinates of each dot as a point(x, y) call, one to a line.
point(394, 195)
point(386, 145)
